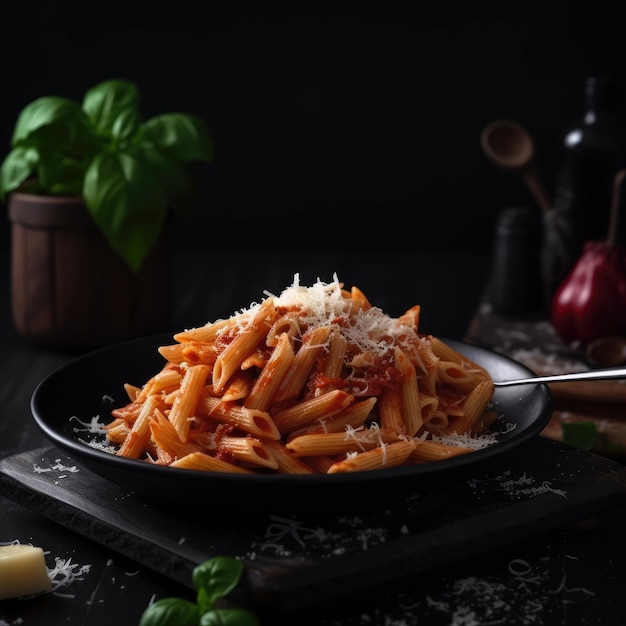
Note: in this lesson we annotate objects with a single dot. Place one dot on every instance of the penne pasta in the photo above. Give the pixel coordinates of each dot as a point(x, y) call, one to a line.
point(183, 408)
point(308, 411)
point(411, 317)
point(287, 324)
point(207, 463)
point(253, 421)
point(434, 451)
point(196, 352)
point(117, 431)
point(453, 373)
point(246, 450)
point(207, 333)
point(135, 443)
point(288, 463)
point(274, 372)
point(358, 301)
point(411, 413)
point(329, 444)
point(386, 456)
point(336, 355)
point(243, 344)
point(239, 387)
point(315, 380)
point(128, 413)
point(132, 391)
point(390, 411)
point(429, 405)
point(301, 366)
point(172, 353)
point(257, 359)
point(168, 444)
point(473, 407)
point(428, 362)
point(353, 416)
point(437, 423)
point(320, 464)
point(446, 353)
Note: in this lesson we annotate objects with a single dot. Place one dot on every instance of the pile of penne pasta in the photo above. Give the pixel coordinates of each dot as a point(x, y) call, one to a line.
point(316, 380)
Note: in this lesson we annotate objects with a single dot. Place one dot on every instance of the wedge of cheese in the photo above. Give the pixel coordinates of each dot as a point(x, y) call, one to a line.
point(22, 571)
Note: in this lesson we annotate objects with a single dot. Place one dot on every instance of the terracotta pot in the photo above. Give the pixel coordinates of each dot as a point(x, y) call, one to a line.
point(69, 289)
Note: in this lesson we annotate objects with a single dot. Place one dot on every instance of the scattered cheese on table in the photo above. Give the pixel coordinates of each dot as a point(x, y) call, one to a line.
point(23, 571)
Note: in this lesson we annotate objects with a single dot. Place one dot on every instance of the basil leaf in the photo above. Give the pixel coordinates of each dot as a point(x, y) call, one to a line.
point(229, 617)
point(125, 125)
point(127, 204)
point(174, 178)
point(171, 612)
point(216, 578)
point(51, 110)
point(60, 175)
point(581, 435)
point(19, 164)
point(182, 136)
point(104, 103)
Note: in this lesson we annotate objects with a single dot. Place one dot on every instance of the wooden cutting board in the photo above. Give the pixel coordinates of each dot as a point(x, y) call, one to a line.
point(302, 559)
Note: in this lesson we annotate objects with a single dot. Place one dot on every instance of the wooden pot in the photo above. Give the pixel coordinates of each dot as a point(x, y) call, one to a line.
point(69, 289)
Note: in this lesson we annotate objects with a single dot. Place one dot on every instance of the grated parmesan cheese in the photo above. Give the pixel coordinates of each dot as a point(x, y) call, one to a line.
point(323, 304)
point(474, 442)
point(64, 573)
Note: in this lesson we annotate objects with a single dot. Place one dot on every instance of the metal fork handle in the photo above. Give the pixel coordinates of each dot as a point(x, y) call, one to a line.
point(603, 374)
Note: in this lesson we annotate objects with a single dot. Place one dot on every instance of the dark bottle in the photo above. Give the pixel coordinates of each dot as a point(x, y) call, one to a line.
point(594, 152)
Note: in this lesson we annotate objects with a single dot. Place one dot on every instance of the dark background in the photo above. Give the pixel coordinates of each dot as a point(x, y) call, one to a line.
point(330, 120)
point(349, 126)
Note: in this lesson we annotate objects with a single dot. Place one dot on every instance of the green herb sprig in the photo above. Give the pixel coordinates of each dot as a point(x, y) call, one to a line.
point(213, 580)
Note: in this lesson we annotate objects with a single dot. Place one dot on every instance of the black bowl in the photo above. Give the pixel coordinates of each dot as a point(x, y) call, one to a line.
point(92, 385)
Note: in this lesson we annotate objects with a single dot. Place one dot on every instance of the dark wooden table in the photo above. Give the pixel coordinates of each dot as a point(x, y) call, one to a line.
point(568, 574)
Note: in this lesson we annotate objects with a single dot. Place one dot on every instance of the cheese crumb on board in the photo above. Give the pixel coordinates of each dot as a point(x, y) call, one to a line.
point(23, 571)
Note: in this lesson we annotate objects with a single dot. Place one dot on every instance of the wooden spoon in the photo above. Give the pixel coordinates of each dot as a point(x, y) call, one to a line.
point(510, 147)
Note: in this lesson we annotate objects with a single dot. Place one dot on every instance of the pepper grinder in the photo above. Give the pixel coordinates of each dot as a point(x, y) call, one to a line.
point(516, 287)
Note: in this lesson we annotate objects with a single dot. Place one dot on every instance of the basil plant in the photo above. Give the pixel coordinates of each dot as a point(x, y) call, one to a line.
point(129, 172)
